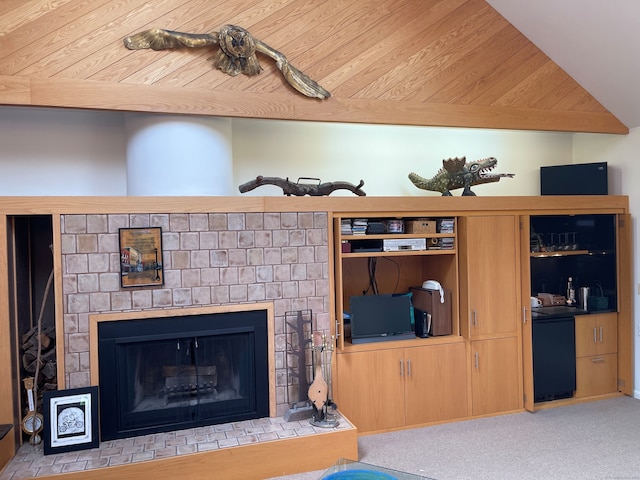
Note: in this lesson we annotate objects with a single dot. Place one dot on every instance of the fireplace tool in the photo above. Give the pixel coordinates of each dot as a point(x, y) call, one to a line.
point(320, 392)
point(298, 328)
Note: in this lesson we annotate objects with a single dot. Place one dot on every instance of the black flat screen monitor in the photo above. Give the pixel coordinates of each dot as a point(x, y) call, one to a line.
point(576, 179)
point(376, 318)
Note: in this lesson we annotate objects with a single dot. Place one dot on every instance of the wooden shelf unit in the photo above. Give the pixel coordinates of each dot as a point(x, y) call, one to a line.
point(404, 269)
point(488, 273)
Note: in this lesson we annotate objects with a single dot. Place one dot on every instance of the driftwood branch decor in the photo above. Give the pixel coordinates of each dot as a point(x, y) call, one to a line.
point(236, 54)
point(300, 189)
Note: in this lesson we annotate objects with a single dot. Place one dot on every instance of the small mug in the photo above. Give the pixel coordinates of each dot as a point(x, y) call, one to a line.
point(535, 302)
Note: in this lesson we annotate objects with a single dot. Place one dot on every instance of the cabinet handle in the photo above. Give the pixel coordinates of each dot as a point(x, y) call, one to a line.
point(401, 368)
point(409, 368)
point(474, 321)
point(595, 340)
point(601, 334)
point(338, 329)
point(475, 355)
point(598, 360)
point(524, 315)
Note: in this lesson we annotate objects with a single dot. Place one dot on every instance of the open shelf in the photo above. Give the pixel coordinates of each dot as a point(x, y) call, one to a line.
point(403, 253)
point(559, 253)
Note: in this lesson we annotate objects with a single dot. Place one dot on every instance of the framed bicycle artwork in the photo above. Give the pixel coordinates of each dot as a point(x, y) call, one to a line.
point(70, 420)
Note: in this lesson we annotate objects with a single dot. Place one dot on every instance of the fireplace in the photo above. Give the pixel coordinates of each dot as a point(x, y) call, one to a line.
point(169, 373)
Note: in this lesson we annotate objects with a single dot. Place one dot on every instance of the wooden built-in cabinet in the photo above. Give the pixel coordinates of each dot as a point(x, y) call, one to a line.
point(395, 271)
point(495, 375)
point(485, 366)
point(599, 257)
point(489, 298)
point(596, 354)
point(392, 384)
point(387, 388)
point(489, 275)
point(482, 368)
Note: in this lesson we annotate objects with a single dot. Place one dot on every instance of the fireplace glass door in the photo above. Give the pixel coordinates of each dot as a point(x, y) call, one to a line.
point(164, 381)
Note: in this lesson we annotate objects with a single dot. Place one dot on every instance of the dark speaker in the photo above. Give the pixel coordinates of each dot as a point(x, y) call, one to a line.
point(577, 179)
point(423, 322)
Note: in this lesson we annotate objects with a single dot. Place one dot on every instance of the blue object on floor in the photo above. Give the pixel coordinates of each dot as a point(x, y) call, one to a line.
point(359, 475)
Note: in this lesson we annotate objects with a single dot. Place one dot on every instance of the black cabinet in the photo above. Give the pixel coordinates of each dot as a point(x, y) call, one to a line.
point(579, 246)
point(554, 358)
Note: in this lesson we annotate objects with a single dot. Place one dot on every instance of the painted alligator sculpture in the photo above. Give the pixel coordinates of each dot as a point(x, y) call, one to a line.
point(457, 173)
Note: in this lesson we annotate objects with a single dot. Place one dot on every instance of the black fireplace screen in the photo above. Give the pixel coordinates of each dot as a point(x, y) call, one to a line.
point(173, 373)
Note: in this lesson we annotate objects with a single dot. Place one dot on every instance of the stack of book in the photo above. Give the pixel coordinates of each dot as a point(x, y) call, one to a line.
point(359, 226)
point(345, 226)
point(445, 225)
point(446, 243)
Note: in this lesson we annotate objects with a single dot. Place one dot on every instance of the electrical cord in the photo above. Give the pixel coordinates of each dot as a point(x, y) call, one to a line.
point(373, 283)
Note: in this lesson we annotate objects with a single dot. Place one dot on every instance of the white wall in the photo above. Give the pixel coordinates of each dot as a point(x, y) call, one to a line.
point(75, 152)
point(621, 153)
point(45, 151)
point(383, 156)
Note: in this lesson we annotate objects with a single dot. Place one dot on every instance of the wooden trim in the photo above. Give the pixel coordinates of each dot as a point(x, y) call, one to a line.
point(625, 305)
point(6, 372)
point(91, 94)
point(178, 312)
point(344, 206)
point(58, 276)
point(15, 90)
point(247, 462)
point(527, 328)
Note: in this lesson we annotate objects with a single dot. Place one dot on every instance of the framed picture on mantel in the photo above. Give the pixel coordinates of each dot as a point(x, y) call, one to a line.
point(141, 257)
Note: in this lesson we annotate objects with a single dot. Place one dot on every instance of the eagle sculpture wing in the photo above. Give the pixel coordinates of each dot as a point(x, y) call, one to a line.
point(237, 53)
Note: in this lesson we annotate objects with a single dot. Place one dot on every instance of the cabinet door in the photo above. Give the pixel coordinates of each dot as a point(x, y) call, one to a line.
point(596, 334)
point(491, 267)
point(606, 333)
point(527, 326)
point(436, 383)
point(586, 336)
point(370, 388)
point(494, 375)
point(596, 375)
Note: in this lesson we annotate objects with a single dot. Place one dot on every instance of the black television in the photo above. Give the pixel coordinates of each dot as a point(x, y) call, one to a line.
point(576, 179)
point(376, 318)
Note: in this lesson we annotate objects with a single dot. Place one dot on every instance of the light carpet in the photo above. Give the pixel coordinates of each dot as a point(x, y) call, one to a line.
point(597, 440)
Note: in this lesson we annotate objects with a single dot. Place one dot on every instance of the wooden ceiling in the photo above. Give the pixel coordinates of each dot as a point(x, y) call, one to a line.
point(412, 62)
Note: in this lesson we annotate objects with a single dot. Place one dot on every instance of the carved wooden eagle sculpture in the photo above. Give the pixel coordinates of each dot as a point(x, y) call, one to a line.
point(237, 53)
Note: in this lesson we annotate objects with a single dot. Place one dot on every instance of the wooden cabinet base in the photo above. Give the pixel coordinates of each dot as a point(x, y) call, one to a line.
point(596, 375)
point(247, 462)
point(388, 389)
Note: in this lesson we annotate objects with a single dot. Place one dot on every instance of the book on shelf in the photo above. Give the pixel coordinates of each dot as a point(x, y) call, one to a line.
point(345, 226)
point(359, 226)
point(445, 225)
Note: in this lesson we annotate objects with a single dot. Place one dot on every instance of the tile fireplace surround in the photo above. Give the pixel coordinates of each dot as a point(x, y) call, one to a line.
point(209, 260)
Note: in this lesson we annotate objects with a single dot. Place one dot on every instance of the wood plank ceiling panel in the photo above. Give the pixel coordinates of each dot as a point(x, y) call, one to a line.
point(441, 54)
point(423, 56)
